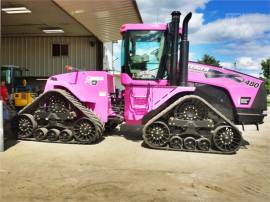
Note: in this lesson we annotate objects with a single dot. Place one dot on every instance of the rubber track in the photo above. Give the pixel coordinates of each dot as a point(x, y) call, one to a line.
point(174, 104)
point(83, 109)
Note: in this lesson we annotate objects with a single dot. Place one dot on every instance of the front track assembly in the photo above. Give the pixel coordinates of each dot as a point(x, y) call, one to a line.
point(57, 116)
point(192, 124)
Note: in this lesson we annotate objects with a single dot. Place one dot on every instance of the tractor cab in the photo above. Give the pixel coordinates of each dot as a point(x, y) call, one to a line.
point(143, 51)
point(150, 70)
point(150, 51)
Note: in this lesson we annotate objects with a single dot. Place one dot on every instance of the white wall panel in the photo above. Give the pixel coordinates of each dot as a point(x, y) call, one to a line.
point(35, 53)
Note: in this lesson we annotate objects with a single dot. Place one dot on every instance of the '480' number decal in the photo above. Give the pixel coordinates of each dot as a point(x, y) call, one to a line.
point(252, 83)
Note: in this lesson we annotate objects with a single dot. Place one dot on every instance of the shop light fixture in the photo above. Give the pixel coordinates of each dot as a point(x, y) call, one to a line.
point(16, 10)
point(53, 31)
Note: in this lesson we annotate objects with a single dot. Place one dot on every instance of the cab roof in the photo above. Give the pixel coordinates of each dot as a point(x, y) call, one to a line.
point(161, 27)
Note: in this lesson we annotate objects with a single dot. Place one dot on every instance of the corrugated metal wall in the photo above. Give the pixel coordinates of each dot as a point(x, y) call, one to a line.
point(35, 53)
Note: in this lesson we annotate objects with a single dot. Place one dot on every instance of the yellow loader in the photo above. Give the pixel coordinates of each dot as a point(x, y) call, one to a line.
point(20, 93)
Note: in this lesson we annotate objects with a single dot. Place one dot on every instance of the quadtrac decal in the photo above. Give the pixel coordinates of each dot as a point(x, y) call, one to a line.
point(93, 80)
point(211, 73)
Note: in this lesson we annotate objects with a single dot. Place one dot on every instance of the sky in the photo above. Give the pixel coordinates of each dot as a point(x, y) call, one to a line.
point(236, 32)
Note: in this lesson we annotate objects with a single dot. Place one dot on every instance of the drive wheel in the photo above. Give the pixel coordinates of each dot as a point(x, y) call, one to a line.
point(190, 143)
point(65, 135)
point(227, 139)
point(157, 134)
point(26, 125)
point(176, 142)
point(204, 144)
point(56, 104)
point(85, 131)
point(191, 109)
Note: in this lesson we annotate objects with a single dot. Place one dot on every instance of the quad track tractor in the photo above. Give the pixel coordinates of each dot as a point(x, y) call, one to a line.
point(182, 105)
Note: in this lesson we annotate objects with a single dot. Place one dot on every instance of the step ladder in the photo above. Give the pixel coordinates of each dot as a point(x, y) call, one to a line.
point(140, 103)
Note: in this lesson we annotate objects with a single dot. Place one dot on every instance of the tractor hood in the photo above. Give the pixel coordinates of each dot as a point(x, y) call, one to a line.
point(238, 85)
point(211, 71)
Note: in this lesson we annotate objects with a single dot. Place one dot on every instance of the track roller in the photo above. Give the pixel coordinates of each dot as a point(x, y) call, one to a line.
point(26, 125)
point(176, 142)
point(203, 144)
point(227, 139)
point(190, 143)
point(53, 135)
point(40, 134)
point(65, 135)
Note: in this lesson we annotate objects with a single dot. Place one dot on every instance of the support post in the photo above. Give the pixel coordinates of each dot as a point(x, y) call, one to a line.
point(1, 127)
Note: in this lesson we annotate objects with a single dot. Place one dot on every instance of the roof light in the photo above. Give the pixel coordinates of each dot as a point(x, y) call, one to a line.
point(53, 31)
point(16, 10)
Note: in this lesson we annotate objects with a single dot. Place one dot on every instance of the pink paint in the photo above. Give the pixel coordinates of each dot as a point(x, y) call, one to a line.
point(93, 88)
point(143, 96)
point(90, 87)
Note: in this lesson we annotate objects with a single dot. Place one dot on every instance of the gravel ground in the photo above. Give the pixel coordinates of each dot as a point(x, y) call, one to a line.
point(120, 169)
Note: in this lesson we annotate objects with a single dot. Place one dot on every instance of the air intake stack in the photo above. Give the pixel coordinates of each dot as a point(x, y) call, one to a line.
point(174, 26)
point(184, 52)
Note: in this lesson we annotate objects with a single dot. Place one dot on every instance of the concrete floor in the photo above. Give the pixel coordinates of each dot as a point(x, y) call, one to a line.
point(120, 169)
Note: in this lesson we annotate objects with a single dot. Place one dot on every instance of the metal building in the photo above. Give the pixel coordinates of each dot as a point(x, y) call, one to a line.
point(45, 36)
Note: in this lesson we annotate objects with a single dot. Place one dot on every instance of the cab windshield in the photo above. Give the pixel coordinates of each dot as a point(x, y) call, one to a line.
point(144, 53)
point(9, 74)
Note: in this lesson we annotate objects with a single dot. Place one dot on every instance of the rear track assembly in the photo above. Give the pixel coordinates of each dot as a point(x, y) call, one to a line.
point(57, 116)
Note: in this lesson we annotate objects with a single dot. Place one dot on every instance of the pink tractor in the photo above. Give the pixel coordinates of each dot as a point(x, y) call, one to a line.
point(182, 105)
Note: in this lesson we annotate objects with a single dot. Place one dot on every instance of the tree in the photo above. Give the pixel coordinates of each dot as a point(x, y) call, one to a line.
point(267, 85)
point(209, 60)
point(266, 73)
point(266, 68)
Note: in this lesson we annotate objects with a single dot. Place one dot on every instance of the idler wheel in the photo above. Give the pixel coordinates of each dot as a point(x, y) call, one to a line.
point(176, 142)
point(157, 134)
point(65, 135)
point(85, 131)
point(190, 143)
point(53, 134)
point(40, 134)
point(26, 125)
point(227, 139)
point(204, 144)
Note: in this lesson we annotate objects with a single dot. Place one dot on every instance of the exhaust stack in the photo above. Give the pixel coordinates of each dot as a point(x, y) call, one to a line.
point(174, 26)
point(184, 52)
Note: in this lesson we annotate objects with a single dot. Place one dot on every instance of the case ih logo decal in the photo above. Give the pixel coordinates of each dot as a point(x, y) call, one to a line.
point(93, 80)
point(244, 100)
point(217, 74)
point(198, 68)
point(211, 73)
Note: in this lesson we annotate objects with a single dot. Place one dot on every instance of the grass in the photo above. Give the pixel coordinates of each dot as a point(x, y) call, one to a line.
point(268, 101)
